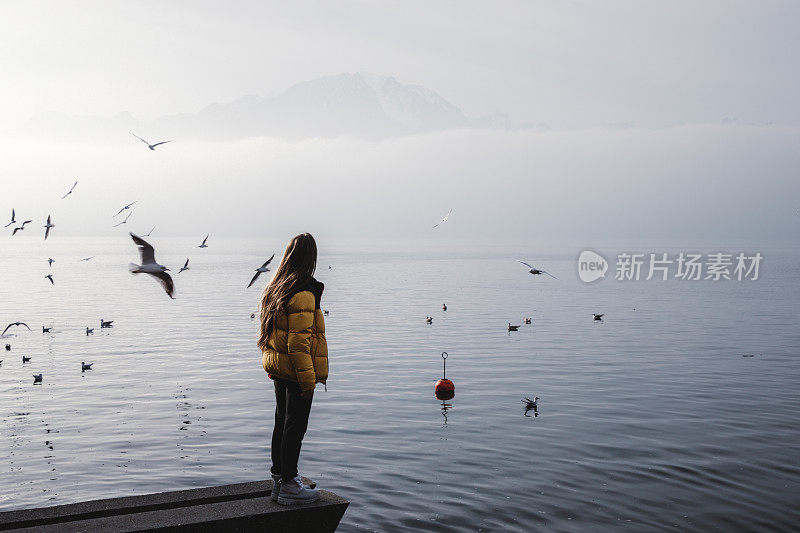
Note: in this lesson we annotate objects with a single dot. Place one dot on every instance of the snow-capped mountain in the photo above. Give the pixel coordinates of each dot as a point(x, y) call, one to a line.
point(360, 104)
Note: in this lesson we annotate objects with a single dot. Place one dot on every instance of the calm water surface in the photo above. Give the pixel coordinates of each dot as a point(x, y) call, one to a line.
point(649, 420)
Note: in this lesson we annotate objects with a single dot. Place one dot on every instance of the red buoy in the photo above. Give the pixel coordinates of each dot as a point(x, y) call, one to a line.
point(444, 388)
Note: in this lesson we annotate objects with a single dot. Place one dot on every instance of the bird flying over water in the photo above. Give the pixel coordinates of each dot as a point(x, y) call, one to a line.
point(149, 232)
point(87, 258)
point(149, 265)
point(70, 190)
point(13, 219)
point(47, 227)
point(259, 270)
point(151, 146)
point(22, 227)
point(125, 207)
point(185, 266)
point(50, 277)
point(50, 261)
point(204, 245)
point(15, 324)
point(444, 219)
point(534, 270)
point(123, 222)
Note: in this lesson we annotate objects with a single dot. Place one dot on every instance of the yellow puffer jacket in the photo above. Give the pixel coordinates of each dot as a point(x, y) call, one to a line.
point(297, 349)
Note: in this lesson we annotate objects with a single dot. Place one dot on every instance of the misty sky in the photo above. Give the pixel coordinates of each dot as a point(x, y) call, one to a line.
point(671, 72)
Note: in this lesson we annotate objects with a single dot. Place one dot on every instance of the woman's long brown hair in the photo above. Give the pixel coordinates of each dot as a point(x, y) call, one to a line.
point(296, 269)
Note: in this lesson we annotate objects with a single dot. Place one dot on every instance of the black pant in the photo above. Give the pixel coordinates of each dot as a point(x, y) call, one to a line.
point(291, 421)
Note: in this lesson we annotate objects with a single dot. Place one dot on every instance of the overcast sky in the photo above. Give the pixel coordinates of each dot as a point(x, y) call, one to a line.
point(558, 62)
point(675, 70)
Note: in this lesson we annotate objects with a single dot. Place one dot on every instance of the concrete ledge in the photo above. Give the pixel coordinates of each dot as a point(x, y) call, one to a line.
point(238, 507)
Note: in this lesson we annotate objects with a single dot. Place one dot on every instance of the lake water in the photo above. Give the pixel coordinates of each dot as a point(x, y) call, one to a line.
point(648, 420)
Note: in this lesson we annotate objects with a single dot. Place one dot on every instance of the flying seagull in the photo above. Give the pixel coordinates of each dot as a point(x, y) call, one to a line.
point(185, 266)
point(87, 258)
point(47, 227)
point(70, 190)
point(22, 227)
point(204, 245)
point(444, 219)
point(149, 232)
point(50, 261)
point(15, 324)
point(50, 277)
point(534, 270)
point(125, 207)
point(151, 146)
point(123, 222)
point(149, 265)
point(13, 219)
point(259, 270)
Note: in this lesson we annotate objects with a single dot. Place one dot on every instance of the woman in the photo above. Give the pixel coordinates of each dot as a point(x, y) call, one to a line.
point(295, 354)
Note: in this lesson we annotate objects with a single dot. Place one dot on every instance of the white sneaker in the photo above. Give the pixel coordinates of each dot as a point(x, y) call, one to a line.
point(294, 493)
point(276, 487)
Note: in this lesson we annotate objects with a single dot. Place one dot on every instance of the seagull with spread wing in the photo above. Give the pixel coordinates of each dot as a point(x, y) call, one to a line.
point(444, 219)
point(204, 245)
point(259, 270)
point(47, 227)
point(70, 190)
point(149, 265)
point(124, 208)
point(534, 270)
point(149, 232)
point(185, 266)
point(15, 324)
point(151, 146)
point(13, 218)
point(124, 221)
point(22, 227)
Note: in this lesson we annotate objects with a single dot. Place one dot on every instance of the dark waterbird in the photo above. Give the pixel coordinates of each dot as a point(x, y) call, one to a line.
point(50, 277)
point(106, 323)
point(25, 359)
point(85, 367)
point(598, 317)
point(429, 320)
point(37, 378)
point(512, 328)
point(528, 320)
point(15, 324)
point(46, 330)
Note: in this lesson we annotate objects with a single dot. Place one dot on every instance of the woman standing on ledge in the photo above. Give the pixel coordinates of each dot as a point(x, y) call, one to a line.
point(295, 355)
